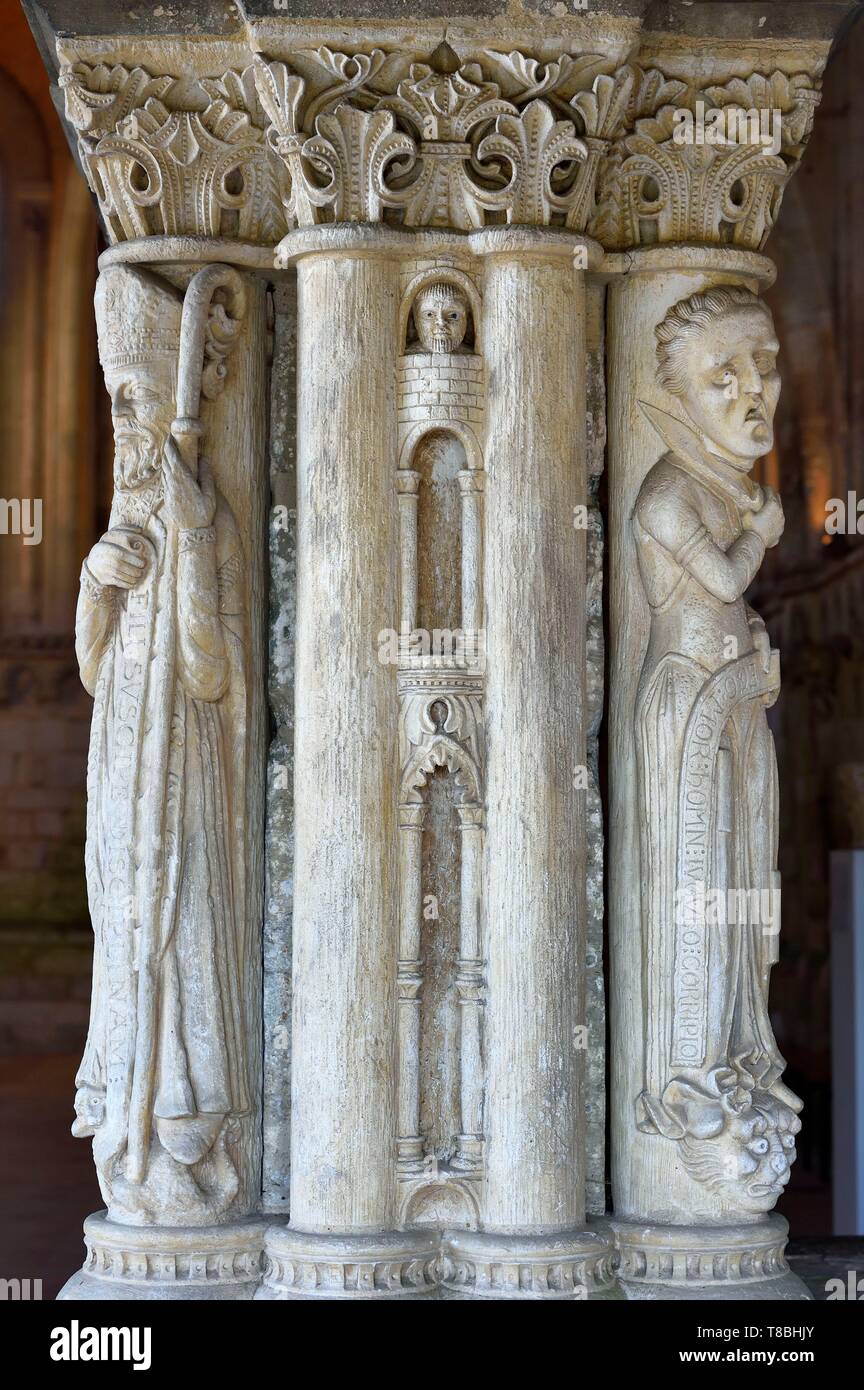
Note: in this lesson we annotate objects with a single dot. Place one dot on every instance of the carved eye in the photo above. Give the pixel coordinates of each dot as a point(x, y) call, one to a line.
point(765, 363)
point(758, 1146)
point(788, 1141)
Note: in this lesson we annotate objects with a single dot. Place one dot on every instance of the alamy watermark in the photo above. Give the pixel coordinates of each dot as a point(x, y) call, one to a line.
point(22, 516)
point(462, 647)
point(729, 125)
point(698, 904)
point(20, 1290)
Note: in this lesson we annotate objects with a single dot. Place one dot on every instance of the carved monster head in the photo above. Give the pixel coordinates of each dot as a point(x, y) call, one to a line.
point(138, 319)
point(441, 317)
point(749, 1159)
point(717, 352)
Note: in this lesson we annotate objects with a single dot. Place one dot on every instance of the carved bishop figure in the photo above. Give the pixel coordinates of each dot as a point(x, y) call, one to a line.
point(706, 765)
point(160, 642)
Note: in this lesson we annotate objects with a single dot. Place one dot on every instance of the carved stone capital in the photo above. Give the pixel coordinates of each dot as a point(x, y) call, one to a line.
point(172, 157)
point(633, 155)
point(703, 164)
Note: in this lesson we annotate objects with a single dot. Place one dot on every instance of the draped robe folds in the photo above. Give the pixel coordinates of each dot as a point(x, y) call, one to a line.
point(163, 1071)
point(708, 807)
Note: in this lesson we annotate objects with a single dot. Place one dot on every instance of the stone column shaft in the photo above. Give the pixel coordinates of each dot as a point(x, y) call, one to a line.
point(470, 988)
point(346, 895)
point(534, 850)
point(341, 1242)
point(680, 1233)
point(410, 1141)
point(471, 488)
point(407, 484)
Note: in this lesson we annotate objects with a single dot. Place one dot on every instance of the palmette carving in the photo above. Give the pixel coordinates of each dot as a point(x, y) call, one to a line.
point(166, 160)
point(656, 186)
point(325, 137)
point(161, 644)
point(443, 110)
point(706, 767)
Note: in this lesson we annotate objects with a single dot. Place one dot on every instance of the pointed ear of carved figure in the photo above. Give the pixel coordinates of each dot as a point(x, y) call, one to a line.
point(207, 334)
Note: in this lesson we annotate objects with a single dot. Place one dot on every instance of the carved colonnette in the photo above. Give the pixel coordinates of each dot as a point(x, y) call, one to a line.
point(168, 645)
point(703, 1128)
point(447, 213)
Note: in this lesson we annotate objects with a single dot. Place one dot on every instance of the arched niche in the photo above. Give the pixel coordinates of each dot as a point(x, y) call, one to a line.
point(438, 457)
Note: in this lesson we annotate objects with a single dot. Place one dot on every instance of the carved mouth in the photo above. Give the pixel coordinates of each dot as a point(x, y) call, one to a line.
point(756, 415)
point(764, 1189)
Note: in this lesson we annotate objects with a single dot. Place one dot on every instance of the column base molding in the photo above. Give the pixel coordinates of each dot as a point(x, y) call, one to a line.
point(705, 1263)
point(392, 1265)
point(574, 1266)
point(144, 1263)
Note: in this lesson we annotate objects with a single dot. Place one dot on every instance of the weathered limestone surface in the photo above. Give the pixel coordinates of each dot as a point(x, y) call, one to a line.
point(703, 1127)
point(279, 842)
point(168, 637)
point(479, 206)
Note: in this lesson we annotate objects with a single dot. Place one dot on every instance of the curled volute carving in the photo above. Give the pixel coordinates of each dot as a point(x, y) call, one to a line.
point(330, 136)
point(161, 642)
point(706, 767)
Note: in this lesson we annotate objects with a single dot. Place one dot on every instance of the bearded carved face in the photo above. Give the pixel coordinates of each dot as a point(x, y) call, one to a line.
point(441, 318)
point(730, 383)
point(142, 409)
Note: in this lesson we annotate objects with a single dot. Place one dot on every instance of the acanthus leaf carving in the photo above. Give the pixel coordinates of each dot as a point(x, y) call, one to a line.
point(98, 98)
point(538, 147)
point(353, 73)
point(168, 157)
point(541, 153)
point(445, 110)
point(525, 78)
point(657, 186)
point(353, 150)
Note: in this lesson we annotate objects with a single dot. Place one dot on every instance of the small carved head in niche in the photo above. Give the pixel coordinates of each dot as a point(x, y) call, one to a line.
point(138, 319)
point(717, 352)
point(441, 312)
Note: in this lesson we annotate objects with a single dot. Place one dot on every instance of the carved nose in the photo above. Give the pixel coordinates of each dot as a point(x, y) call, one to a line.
point(780, 1163)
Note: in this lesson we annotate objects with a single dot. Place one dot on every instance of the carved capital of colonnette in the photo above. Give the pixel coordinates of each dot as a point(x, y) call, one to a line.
point(628, 156)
